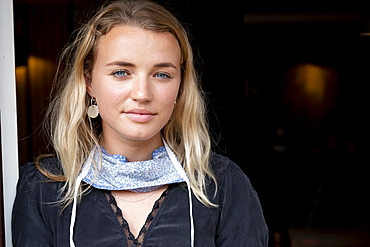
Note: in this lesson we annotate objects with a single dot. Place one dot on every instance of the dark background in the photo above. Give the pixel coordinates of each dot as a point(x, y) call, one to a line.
point(301, 137)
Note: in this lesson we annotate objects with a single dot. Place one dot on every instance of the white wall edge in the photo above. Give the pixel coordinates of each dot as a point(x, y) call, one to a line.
point(8, 113)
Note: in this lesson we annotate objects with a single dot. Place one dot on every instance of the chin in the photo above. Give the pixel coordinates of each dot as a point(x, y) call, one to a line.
point(143, 136)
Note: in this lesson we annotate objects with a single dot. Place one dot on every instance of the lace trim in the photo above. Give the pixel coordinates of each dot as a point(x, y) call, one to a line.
point(131, 240)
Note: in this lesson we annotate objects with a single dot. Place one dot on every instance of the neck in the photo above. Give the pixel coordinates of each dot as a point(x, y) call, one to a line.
point(133, 150)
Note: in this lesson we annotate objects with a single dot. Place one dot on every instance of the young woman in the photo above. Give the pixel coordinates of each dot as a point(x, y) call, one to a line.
point(132, 163)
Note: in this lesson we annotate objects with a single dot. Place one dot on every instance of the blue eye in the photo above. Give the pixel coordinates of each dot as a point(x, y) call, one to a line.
point(163, 75)
point(120, 73)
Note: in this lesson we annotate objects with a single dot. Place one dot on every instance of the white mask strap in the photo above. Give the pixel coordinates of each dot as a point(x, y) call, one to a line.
point(83, 173)
point(183, 174)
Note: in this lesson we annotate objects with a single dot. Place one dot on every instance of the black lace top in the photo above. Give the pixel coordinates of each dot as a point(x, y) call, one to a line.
point(131, 240)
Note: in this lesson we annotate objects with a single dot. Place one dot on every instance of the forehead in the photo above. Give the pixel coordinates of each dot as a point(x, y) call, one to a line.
point(126, 39)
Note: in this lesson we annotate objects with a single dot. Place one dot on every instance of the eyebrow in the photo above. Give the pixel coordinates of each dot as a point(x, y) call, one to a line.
point(121, 63)
point(161, 65)
point(127, 64)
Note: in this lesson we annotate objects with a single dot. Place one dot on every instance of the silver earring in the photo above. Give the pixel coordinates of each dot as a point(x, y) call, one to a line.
point(93, 110)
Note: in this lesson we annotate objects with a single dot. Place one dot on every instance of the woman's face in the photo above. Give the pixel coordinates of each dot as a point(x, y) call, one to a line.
point(135, 80)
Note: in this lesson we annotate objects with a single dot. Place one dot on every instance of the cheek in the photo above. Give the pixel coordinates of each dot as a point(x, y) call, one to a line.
point(170, 92)
point(168, 98)
point(108, 99)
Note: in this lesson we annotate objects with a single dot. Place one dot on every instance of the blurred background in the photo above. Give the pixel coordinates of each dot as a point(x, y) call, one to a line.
point(288, 88)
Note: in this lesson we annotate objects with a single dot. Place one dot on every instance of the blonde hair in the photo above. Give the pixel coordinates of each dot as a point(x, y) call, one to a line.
point(73, 134)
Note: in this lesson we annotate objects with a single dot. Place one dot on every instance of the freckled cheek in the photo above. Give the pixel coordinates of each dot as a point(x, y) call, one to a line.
point(168, 101)
point(111, 100)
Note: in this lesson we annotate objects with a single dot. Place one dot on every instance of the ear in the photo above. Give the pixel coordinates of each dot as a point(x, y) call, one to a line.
point(89, 88)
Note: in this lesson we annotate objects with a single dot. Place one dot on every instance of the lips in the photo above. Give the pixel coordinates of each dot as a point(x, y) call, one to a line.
point(140, 115)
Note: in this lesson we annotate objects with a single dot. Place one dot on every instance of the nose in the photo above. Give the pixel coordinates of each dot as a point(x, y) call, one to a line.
point(141, 90)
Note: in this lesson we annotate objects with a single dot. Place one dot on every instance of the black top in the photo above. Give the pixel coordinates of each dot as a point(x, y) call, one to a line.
point(238, 221)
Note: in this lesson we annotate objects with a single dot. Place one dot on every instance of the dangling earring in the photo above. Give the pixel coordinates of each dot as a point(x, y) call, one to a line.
point(93, 110)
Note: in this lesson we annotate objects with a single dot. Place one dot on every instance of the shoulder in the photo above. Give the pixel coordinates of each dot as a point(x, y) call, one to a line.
point(51, 165)
point(38, 170)
point(239, 205)
point(34, 178)
point(35, 204)
point(231, 179)
point(223, 167)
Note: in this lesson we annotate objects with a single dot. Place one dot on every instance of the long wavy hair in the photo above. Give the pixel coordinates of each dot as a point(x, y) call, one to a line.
point(73, 134)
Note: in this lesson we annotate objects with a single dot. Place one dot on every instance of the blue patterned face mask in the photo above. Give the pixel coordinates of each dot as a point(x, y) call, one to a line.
point(116, 173)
